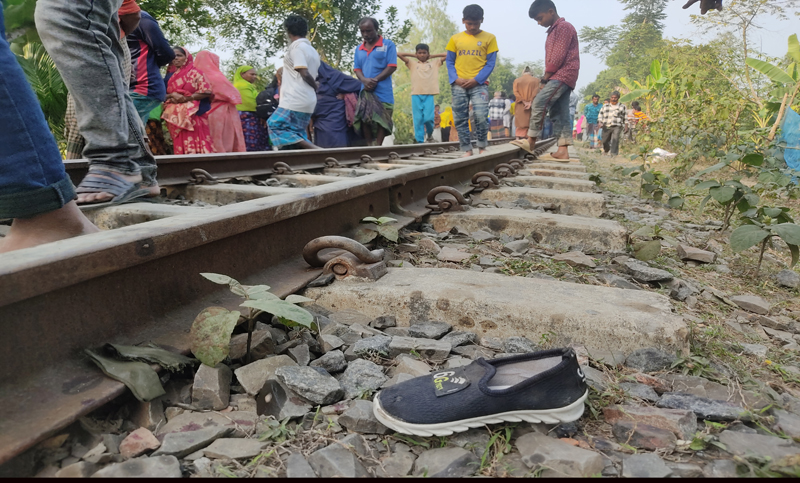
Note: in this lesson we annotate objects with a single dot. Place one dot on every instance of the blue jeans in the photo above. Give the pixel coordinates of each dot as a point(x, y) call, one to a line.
point(553, 98)
point(479, 96)
point(144, 105)
point(83, 38)
point(422, 109)
point(32, 176)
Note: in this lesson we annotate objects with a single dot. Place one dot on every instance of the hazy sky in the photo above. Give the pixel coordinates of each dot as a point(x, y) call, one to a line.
point(521, 38)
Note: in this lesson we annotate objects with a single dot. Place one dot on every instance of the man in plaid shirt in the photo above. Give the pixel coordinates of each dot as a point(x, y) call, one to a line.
point(612, 119)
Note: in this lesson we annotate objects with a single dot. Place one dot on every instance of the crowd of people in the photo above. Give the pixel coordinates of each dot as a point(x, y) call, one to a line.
point(110, 55)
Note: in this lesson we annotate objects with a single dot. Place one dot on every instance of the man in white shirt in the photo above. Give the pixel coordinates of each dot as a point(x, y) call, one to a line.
point(288, 125)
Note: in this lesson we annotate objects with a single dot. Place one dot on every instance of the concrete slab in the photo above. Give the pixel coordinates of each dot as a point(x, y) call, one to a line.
point(549, 182)
point(384, 166)
point(226, 194)
point(307, 179)
point(497, 305)
point(348, 172)
point(558, 166)
point(134, 213)
point(570, 202)
point(533, 171)
point(561, 231)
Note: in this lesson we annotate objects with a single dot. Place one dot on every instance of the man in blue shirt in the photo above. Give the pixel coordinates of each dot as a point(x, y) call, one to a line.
point(375, 62)
point(591, 111)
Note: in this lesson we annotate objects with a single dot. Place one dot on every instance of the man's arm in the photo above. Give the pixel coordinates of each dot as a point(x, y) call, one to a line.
point(154, 38)
point(452, 75)
point(404, 56)
point(438, 56)
point(483, 75)
point(307, 77)
point(386, 72)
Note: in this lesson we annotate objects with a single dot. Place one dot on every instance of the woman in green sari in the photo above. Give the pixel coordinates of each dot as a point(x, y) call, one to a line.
point(256, 135)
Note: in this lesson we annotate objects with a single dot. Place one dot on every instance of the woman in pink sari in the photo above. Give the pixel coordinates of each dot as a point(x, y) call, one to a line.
point(187, 106)
point(223, 119)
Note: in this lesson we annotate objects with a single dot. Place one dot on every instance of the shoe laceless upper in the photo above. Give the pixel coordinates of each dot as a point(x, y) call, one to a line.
point(551, 386)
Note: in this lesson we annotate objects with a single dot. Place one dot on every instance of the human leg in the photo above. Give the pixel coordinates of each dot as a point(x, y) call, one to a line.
point(82, 37)
point(614, 134)
point(461, 116)
point(562, 123)
point(34, 188)
point(418, 116)
point(607, 132)
point(480, 107)
point(428, 106)
point(144, 106)
point(542, 103)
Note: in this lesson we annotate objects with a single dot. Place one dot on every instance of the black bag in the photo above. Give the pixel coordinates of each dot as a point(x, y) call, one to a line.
point(266, 103)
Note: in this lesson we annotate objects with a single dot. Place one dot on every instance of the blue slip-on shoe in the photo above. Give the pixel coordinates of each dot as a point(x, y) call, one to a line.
point(538, 387)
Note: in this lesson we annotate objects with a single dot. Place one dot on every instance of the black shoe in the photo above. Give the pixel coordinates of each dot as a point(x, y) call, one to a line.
point(546, 387)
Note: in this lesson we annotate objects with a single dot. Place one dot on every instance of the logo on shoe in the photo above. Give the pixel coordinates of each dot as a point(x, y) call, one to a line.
point(448, 382)
point(581, 375)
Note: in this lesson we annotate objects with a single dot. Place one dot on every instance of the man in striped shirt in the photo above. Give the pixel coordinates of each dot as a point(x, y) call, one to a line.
point(612, 118)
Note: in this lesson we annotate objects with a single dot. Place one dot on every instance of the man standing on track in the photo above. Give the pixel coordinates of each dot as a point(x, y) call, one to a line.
point(375, 62)
point(288, 125)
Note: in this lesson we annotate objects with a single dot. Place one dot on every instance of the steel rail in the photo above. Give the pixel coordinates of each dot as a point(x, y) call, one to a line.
point(140, 283)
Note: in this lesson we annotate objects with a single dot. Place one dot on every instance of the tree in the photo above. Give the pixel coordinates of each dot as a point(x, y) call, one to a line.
point(645, 12)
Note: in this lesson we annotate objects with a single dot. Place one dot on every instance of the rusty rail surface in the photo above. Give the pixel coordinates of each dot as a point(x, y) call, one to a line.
point(140, 283)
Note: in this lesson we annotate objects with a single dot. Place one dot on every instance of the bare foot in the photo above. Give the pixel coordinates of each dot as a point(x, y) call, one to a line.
point(481, 151)
point(65, 222)
point(467, 154)
point(562, 153)
point(154, 191)
point(103, 196)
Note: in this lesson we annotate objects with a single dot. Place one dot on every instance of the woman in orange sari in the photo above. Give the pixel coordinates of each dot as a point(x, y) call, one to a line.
point(223, 119)
point(187, 106)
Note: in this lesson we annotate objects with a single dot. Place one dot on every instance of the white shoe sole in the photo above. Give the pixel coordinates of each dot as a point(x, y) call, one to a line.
point(567, 414)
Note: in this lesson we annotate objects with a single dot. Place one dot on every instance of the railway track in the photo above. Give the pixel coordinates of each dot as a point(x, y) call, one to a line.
point(140, 282)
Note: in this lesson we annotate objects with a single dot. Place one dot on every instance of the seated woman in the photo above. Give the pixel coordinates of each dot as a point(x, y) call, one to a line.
point(331, 126)
point(256, 136)
point(223, 118)
point(187, 106)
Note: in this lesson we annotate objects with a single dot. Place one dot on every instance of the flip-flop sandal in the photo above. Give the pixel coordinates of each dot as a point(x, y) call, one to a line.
point(523, 145)
point(112, 183)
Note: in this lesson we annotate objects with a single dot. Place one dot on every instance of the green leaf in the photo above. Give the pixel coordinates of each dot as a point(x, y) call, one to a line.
point(282, 309)
point(634, 94)
point(210, 335)
point(298, 299)
point(217, 278)
point(369, 219)
point(658, 194)
point(389, 232)
point(747, 236)
point(644, 231)
point(774, 73)
point(258, 291)
point(366, 235)
point(753, 159)
point(773, 212)
point(703, 203)
point(711, 169)
point(645, 251)
point(723, 195)
point(385, 219)
point(789, 232)
point(649, 177)
point(707, 184)
point(794, 48)
point(675, 201)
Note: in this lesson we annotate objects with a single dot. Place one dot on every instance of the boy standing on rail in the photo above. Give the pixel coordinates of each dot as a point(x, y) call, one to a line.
point(471, 57)
point(562, 64)
point(424, 85)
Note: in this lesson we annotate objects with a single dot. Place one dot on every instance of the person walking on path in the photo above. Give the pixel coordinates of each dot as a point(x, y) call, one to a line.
point(471, 57)
point(562, 65)
point(288, 125)
point(591, 111)
point(223, 118)
point(254, 127)
point(374, 63)
point(150, 51)
point(612, 118)
point(525, 88)
point(83, 38)
point(424, 86)
point(35, 190)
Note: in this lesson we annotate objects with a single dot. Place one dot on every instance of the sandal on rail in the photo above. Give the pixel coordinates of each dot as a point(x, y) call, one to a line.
point(523, 145)
point(113, 184)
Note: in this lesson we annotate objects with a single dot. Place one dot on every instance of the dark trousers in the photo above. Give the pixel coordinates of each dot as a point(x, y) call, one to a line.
point(611, 139)
point(445, 134)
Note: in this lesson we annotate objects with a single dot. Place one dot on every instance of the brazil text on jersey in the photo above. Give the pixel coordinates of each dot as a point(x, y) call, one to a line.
point(470, 52)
